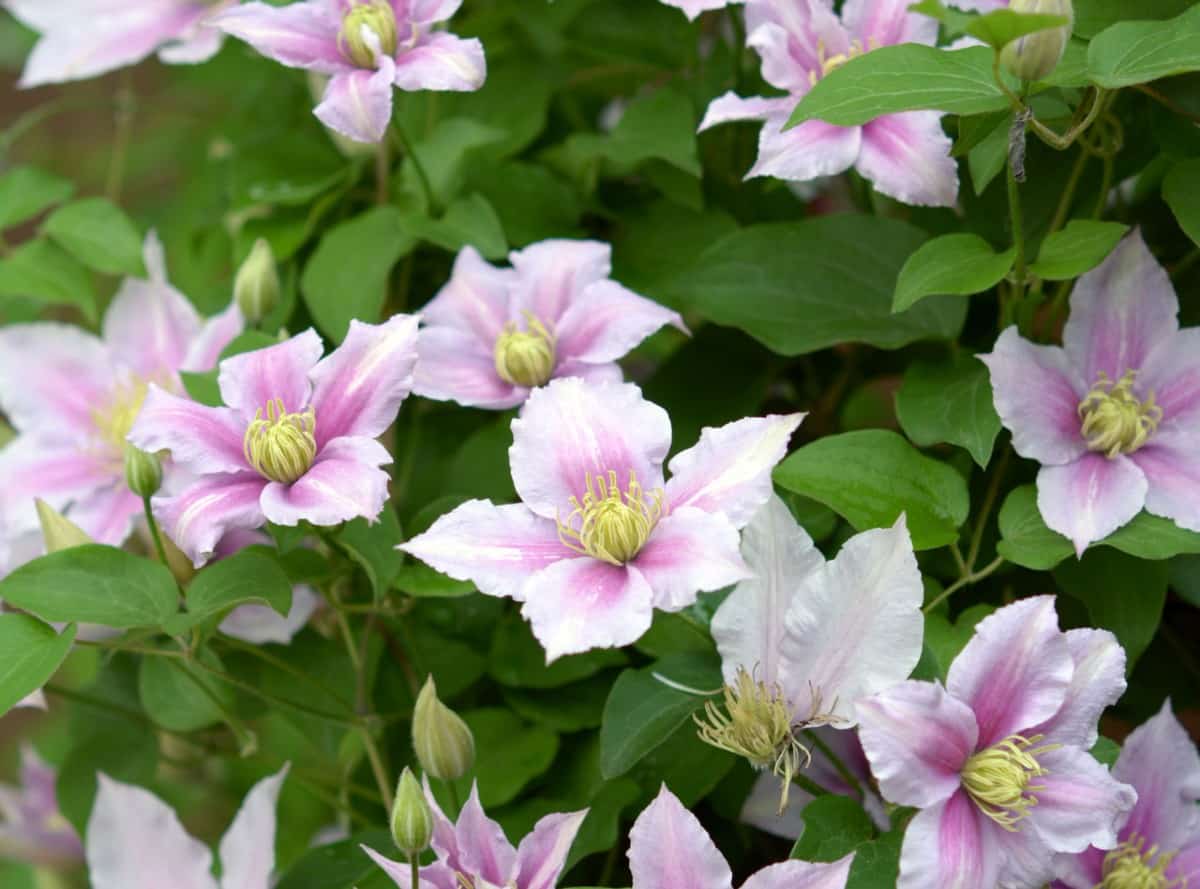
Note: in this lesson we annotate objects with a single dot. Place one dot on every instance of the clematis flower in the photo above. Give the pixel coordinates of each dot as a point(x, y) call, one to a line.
point(905, 155)
point(365, 47)
point(73, 398)
point(475, 852)
point(134, 839)
point(1114, 415)
point(693, 8)
point(492, 334)
point(261, 624)
point(86, 38)
point(32, 828)
point(997, 760)
point(295, 442)
point(599, 540)
point(803, 639)
point(670, 849)
point(1160, 843)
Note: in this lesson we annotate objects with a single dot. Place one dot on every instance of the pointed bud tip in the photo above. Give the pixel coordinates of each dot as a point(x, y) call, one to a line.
point(443, 743)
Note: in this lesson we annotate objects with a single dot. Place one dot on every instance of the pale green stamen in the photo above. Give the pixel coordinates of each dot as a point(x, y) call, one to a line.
point(613, 525)
point(375, 17)
point(999, 779)
point(281, 446)
point(525, 357)
point(1115, 421)
point(1132, 866)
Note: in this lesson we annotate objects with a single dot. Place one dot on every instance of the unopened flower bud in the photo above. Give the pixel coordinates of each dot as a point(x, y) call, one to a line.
point(1036, 55)
point(143, 472)
point(412, 818)
point(444, 744)
point(58, 531)
point(256, 287)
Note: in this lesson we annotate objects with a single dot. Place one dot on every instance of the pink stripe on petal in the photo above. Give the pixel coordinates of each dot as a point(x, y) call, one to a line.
point(551, 275)
point(906, 156)
point(484, 851)
point(876, 23)
point(950, 846)
point(58, 473)
point(1088, 499)
point(215, 334)
point(808, 151)
point(200, 438)
point(344, 483)
point(452, 366)
point(250, 381)
point(669, 849)
point(442, 61)
point(607, 322)
point(358, 103)
point(1185, 868)
point(690, 551)
point(1172, 373)
point(1173, 477)
point(1080, 803)
point(302, 35)
point(197, 518)
point(543, 853)
point(793, 38)
point(475, 299)
point(803, 875)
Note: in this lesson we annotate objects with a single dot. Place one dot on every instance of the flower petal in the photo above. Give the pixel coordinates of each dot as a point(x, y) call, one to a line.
point(483, 850)
point(302, 35)
point(916, 738)
point(543, 853)
point(442, 61)
point(60, 474)
point(878, 23)
point(579, 604)
point(498, 548)
point(907, 157)
point(794, 40)
point(400, 872)
point(1079, 804)
point(198, 44)
point(202, 439)
point(807, 151)
point(54, 376)
point(1037, 394)
point(570, 430)
point(550, 276)
point(135, 841)
point(474, 300)
point(669, 849)
point(260, 624)
point(358, 103)
point(452, 366)
point(608, 321)
point(729, 469)
point(690, 551)
point(1090, 498)
point(1172, 478)
point(1121, 312)
point(248, 847)
point(344, 483)
point(107, 515)
point(1098, 683)
point(949, 846)
point(358, 388)
point(854, 626)
point(693, 8)
point(1184, 870)
point(215, 334)
point(802, 875)
point(732, 107)
point(198, 517)
point(253, 379)
point(1172, 373)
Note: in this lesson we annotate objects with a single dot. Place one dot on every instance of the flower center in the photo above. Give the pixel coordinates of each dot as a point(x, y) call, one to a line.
point(613, 525)
point(998, 779)
point(829, 63)
point(115, 419)
point(281, 446)
point(368, 28)
point(1114, 420)
point(1131, 866)
point(525, 357)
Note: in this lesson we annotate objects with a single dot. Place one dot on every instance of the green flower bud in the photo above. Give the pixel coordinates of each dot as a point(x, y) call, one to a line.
point(412, 818)
point(444, 744)
point(1036, 55)
point(256, 287)
point(143, 472)
point(58, 531)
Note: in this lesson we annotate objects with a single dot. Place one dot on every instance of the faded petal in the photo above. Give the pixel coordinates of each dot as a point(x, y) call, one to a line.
point(1098, 683)
point(253, 379)
point(543, 853)
point(442, 61)
point(1172, 478)
point(261, 624)
point(907, 157)
point(551, 275)
point(197, 518)
point(607, 322)
point(1016, 670)
point(474, 300)
point(887, 22)
point(1080, 804)
point(200, 438)
point(358, 103)
point(453, 366)
point(302, 35)
point(949, 845)
point(1087, 500)
point(344, 483)
point(248, 847)
point(732, 107)
point(215, 334)
point(807, 151)
point(669, 849)
point(690, 551)
point(729, 469)
point(802, 875)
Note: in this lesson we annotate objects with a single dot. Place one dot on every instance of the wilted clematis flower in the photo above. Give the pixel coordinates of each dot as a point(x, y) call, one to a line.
point(260, 624)
point(600, 541)
point(86, 38)
point(475, 852)
point(693, 8)
point(670, 849)
point(1160, 843)
point(997, 760)
point(73, 397)
point(32, 829)
point(905, 155)
point(134, 839)
point(803, 639)
point(366, 47)
point(296, 441)
point(492, 334)
point(1114, 415)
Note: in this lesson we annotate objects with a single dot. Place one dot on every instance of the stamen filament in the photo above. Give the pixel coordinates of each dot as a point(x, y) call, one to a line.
point(281, 446)
point(613, 526)
point(1115, 421)
point(998, 779)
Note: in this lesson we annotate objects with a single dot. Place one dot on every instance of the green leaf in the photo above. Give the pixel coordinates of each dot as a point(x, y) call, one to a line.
point(643, 711)
point(248, 341)
point(987, 158)
point(1093, 16)
point(30, 653)
point(27, 191)
point(252, 575)
point(94, 584)
point(945, 640)
point(908, 77)
point(1105, 751)
point(419, 580)
point(1079, 247)
point(517, 659)
point(877, 863)
point(44, 272)
point(180, 697)
point(373, 547)
point(1137, 52)
point(347, 276)
point(202, 387)
point(1181, 191)
point(959, 264)
point(341, 865)
point(871, 476)
point(834, 826)
point(509, 753)
point(471, 220)
point(950, 401)
point(99, 235)
point(448, 154)
point(804, 286)
point(569, 708)
point(662, 126)
point(1121, 593)
point(1002, 26)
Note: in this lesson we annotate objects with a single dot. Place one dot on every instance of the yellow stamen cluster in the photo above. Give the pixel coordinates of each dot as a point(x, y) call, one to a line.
point(613, 525)
point(1132, 866)
point(525, 357)
point(829, 63)
point(999, 779)
point(1115, 421)
point(376, 17)
point(115, 419)
point(281, 446)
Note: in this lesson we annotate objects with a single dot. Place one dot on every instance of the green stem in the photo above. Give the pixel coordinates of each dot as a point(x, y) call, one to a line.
point(985, 511)
point(426, 186)
point(1018, 233)
point(842, 769)
point(377, 767)
point(808, 784)
point(246, 739)
point(124, 130)
point(415, 868)
point(983, 573)
point(1068, 195)
point(154, 532)
point(452, 792)
point(349, 720)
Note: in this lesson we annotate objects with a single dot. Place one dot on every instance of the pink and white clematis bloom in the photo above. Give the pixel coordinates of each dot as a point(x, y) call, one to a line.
point(600, 540)
point(73, 398)
point(490, 335)
point(365, 47)
point(135, 841)
point(906, 156)
point(997, 761)
point(295, 442)
point(1113, 415)
point(1160, 843)
point(32, 828)
point(802, 639)
point(693, 8)
point(475, 851)
point(87, 38)
point(670, 849)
